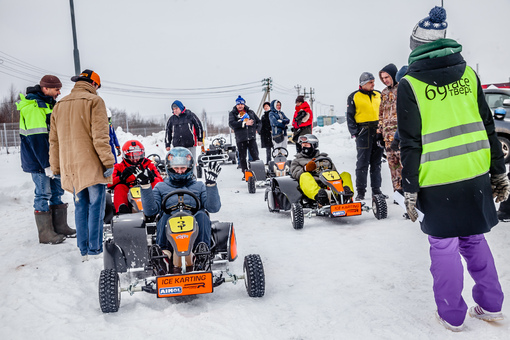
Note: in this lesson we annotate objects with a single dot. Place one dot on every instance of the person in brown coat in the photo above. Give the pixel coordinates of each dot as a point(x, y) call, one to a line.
point(80, 152)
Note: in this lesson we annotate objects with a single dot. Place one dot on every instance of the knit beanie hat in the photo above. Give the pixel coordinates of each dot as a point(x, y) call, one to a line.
point(51, 82)
point(430, 28)
point(177, 103)
point(240, 100)
point(365, 78)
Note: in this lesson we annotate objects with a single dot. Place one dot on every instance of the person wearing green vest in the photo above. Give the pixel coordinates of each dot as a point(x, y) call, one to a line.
point(363, 123)
point(453, 167)
point(35, 109)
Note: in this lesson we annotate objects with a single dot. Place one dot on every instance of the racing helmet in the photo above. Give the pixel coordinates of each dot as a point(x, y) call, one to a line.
point(133, 152)
point(312, 140)
point(179, 157)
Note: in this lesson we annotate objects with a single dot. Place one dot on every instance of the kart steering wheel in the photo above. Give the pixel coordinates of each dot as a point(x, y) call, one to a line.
point(180, 202)
point(157, 158)
point(281, 151)
point(218, 141)
point(319, 161)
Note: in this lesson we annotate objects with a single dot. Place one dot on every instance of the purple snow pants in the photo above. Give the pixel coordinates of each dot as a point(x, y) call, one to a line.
point(447, 272)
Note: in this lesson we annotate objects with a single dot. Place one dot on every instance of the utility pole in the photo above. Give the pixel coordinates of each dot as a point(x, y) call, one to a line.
point(268, 86)
point(312, 99)
point(77, 67)
point(298, 88)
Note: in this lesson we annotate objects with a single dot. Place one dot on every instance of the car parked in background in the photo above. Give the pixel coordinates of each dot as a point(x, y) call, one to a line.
point(499, 103)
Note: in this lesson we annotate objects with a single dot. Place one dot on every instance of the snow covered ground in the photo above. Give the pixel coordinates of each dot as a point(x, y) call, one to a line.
point(343, 278)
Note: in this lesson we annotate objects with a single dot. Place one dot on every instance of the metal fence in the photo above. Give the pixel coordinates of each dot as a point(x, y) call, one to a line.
point(10, 141)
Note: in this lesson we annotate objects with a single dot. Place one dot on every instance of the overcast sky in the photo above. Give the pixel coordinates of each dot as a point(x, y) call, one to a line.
point(150, 53)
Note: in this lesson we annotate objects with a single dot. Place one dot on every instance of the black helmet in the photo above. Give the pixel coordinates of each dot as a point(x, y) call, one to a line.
point(179, 157)
point(312, 140)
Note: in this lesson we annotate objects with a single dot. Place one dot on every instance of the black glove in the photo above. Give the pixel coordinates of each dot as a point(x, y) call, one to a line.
point(211, 173)
point(145, 177)
point(395, 145)
point(299, 118)
point(292, 129)
point(126, 173)
point(379, 140)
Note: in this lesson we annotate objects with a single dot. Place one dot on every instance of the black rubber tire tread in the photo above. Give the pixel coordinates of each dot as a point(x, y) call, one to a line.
point(296, 215)
point(254, 276)
point(380, 207)
point(109, 295)
point(505, 146)
point(252, 188)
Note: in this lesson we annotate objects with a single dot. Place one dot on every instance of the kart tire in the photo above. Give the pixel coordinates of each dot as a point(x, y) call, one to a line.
point(109, 291)
point(254, 278)
point(252, 188)
point(232, 157)
point(505, 146)
point(379, 207)
point(296, 215)
point(199, 171)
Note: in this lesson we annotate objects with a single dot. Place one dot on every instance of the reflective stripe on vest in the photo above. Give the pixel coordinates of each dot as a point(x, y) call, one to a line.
point(455, 146)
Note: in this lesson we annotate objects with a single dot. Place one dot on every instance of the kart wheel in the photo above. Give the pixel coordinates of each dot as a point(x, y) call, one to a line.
point(199, 171)
point(251, 185)
point(232, 157)
point(109, 291)
point(254, 278)
point(296, 215)
point(379, 207)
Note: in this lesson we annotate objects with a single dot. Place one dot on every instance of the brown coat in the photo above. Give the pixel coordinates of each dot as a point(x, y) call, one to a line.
point(79, 139)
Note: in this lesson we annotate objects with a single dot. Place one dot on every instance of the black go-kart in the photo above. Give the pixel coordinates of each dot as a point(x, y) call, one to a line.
point(218, 151)
point(159, 163)
point(130, 251)
point(258, 175)
point(284, 194)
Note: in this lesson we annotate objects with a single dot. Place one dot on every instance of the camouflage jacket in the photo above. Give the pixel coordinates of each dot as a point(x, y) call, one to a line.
point(388, 113)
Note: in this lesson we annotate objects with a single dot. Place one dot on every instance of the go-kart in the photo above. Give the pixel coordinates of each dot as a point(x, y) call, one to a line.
point(130, 248)
point(258, 175)
point(284, 194)
point(218, 151)
point(159, 163)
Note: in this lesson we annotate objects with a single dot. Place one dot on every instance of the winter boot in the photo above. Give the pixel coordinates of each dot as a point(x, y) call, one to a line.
point(322, 197)
point(47, 234)
point(360, 196)
point(59, 217)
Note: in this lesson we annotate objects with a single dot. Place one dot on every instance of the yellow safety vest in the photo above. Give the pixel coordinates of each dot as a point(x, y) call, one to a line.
point(367, 107)
point(455, 146)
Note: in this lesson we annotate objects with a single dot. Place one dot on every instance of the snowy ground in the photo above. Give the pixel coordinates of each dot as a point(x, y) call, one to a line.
point(350, 278)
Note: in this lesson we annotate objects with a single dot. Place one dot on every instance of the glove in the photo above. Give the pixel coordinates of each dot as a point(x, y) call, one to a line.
point(118, 152)
point(145, 177)
point(380, 140)
point(126, 173)
point(211, 173)
point(108, 172)
point(310, 166)
point(49, 173)
point(292, 129)
point(410, 202)
point(500, 187)
point(395, 145)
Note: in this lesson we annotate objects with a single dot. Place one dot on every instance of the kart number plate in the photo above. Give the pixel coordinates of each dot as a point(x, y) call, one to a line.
point(181, 224)
point(185, 284)
point(135, 192)
point(349, 209)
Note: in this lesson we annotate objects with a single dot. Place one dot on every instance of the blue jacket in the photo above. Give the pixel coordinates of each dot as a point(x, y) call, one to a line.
point(152, 198)
point(35, 111)
point(114, 142)
point(278, 121)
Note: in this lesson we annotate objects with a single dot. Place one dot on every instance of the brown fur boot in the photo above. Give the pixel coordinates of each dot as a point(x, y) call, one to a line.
point(45, 227)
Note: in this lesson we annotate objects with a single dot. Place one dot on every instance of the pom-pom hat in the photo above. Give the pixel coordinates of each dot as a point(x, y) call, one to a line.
point(430, 28)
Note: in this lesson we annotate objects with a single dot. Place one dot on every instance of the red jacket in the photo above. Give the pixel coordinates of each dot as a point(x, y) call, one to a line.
point(305, 107)
point(131, 180)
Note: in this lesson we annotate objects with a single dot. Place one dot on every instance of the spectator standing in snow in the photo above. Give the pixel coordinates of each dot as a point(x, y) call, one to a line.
point(266, 140)
point(245, 124)
point(80, 153)
point(114, 142)
point(183, 129)
point(451, 180)
point(35, 112)
point(363, 121)
point(279, 124)
point(302, 122)
point(388, 122)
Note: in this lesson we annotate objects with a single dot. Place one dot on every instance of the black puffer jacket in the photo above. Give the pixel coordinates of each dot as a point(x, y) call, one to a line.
point(244, 132)
point(451, 210)
point(182, 130)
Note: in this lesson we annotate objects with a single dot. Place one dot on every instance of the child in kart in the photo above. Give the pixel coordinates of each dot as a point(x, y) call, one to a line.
point(304, 169)
point(179, 168)
point(125, 174)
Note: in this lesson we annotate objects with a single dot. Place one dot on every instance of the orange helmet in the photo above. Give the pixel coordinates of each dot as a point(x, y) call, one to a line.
point(133, 151)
